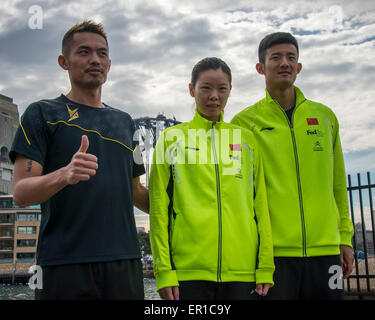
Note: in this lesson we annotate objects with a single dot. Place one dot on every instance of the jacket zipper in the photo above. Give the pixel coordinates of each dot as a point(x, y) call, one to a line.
point(218, 202)
point(298, 177)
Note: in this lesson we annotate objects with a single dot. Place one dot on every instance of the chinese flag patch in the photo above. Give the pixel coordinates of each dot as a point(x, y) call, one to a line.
point(312, 121)
point(235, 147)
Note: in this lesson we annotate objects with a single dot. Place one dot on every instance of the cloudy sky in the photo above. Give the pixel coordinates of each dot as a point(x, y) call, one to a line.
point(155, 44)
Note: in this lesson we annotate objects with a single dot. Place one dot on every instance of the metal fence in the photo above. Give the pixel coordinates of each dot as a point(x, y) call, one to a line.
point(362, 280)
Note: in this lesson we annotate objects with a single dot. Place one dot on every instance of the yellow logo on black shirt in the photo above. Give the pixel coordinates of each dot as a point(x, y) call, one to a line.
point(73, 114)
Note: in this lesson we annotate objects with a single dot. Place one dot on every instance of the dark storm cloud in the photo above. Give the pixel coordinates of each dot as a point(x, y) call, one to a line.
point(193, 34)
point(28, 47)
point(174, 39)
point(127, 94)
point(330, 69)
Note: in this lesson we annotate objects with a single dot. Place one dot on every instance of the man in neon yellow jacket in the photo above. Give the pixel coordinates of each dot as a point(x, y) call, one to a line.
point(305, 177)
point(209, 224)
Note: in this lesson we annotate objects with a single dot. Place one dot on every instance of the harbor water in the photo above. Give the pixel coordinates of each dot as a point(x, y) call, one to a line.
point(23, 292)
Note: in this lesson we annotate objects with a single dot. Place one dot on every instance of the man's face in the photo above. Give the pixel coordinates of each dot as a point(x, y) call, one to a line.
point(87, 60)
point(281, 66)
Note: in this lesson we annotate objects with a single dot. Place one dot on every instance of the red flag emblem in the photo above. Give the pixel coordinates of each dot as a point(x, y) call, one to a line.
point(312, 121)
point(235, 147)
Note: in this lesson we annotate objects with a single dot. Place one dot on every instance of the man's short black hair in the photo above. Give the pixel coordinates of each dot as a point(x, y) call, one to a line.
point(85, 26)
point(273, 39)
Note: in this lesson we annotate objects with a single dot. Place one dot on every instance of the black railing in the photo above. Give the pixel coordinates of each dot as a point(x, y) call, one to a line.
point(362, 280)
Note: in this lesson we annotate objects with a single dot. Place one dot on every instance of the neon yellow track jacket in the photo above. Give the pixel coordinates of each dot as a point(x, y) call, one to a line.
point(209, 217)
point(305, 176)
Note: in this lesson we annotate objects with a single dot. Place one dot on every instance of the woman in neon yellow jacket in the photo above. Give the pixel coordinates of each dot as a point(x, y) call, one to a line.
point(209, 223)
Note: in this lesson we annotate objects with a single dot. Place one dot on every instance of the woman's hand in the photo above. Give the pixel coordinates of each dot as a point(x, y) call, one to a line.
point(262, 289)
point(169, 293)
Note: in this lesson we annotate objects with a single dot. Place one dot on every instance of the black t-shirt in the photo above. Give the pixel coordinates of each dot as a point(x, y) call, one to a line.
point(93, 220)
point(289, 113)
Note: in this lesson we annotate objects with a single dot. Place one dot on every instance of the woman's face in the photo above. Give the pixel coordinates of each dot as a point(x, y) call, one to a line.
point(211, 92)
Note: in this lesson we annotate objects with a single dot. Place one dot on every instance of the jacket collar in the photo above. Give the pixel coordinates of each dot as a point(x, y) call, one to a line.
point(200, 122)
point(299, 97)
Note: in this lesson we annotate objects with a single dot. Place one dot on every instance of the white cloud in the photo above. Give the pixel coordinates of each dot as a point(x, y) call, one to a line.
point(9, 12)
point(154, 46)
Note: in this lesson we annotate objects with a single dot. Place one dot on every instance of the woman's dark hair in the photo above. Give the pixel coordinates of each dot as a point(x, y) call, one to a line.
point(208, 64)
point(273, 39)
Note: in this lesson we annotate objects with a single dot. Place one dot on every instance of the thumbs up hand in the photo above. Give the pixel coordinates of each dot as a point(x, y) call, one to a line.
point(83, 165)
point(84, 144)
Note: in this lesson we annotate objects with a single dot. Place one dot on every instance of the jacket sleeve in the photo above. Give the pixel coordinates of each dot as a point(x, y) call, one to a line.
point(340, 189)
point(266, 267)
point(159, 218)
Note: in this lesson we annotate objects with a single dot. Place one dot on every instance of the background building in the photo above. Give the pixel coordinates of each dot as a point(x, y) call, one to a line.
point(9, 120)
point(19, 228)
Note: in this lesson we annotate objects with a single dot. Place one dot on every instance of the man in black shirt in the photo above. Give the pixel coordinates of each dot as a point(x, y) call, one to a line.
point(76, 157)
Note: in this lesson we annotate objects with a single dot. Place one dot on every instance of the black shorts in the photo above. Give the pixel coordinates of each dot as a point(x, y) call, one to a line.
point(310, 278)
point(113, 280)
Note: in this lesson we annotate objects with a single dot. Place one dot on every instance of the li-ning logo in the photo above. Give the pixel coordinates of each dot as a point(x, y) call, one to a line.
point(73, 114)
point(191, 148)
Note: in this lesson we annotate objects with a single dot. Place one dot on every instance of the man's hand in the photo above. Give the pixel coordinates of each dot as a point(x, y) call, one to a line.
point(347, 260)
point(169, 293)
point(83, 165)
point(31, 187)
